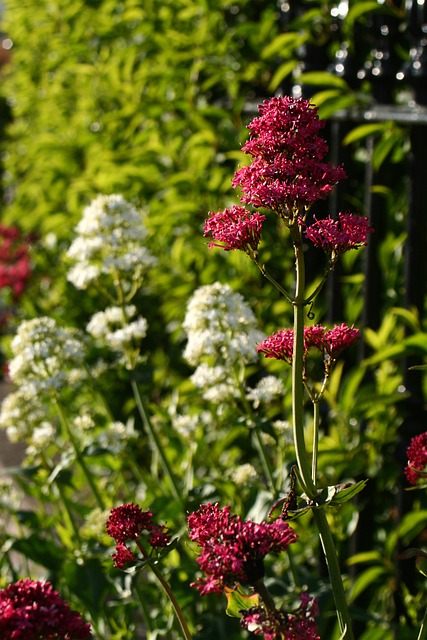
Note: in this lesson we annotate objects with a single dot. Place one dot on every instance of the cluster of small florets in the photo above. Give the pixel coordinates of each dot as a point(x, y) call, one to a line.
point(288, 172)
point(299, 624)
point(109, 248)
point(416, 469)
point(338, 235)
point(46, 356)
point(115, 328)
point(22, 413)
point(128, 522)
point(329, 342)
point(235, 228)
point(233, 550)
point(15, 263)
point(267, 389)
point(33, 610)
point(222, 333)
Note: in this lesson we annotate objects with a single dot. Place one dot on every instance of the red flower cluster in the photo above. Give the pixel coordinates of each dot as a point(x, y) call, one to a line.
point(127, 522)
point(330, 342)
point(416, 469)
point(33, 610)
point(337, 235)
point(298, 625)
point(233, 551)
point(288, 172)
point(237, 228)
point(15, 266)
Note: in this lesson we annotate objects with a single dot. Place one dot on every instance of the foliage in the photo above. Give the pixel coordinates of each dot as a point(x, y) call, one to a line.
point(151, 101)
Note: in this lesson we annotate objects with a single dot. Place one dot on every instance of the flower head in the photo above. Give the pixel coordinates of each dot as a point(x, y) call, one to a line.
point(128, 521)
point(329, 342)
point(416, 468)
point(298, 624)
point(46, 355)
point(233, 550)
point(288, 172)
point(109, 247)
point(220, 325)
point(31, 610)
point(236, 228)
point(15, 264)
point(123, 556)
point(338, 235)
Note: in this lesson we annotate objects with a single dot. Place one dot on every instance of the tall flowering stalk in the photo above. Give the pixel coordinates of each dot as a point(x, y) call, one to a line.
point(287, 174)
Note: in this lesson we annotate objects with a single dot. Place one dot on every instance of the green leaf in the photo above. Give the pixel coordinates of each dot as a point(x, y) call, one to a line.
point(322, 78)
point(364, 131)
point(346, 493)
point(367, 578)
point(237, 602)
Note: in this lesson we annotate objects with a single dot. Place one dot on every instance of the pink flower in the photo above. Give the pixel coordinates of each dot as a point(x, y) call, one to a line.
point(232, 551)
point(296, 625)
point(33, 610)
point(288, 172)
point(237, 228)
point(123, 556)
point(330, 343)
point(416, 469)
point(337, 235)
point(15, 265)
point(128, 521)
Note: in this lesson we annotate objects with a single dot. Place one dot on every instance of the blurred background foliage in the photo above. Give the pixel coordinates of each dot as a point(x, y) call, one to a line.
point(150, 99)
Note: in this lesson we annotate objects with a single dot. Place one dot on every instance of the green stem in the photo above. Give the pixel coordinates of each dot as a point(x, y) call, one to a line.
point(258, 438)
point(156, 441)
point(265, 595)
point(301, 453)
point(168, 591)
point(423, 629)
point(80, 459)
point(330, 553)
point(270, 278)
point(316, 420)
point(298, 366)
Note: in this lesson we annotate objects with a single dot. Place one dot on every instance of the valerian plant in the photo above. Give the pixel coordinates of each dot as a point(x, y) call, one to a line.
point(91, 466)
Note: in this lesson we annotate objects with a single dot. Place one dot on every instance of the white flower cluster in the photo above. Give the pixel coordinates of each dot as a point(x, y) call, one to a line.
point(244, 475)
point(222, 336)
point(23, 417)
point(113, 328)
point(109, 244)
point(46, 357)
point(113, 436)
point(267, 389)
point(219, 323)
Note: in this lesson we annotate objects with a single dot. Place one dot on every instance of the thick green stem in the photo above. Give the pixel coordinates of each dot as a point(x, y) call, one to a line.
point(328, 546)
point(316, 418)
point(156, 441)
point(305, 472)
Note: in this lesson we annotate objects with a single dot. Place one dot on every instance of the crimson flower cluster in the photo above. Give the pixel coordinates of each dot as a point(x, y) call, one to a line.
point(15, 265)
point(338, 235)
point(297, 625)
point(288, 172)
point(330, 342)
point(416, 468)
point(128, 522)
point(33, 610)
point(233, 550)
point(235, 228)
